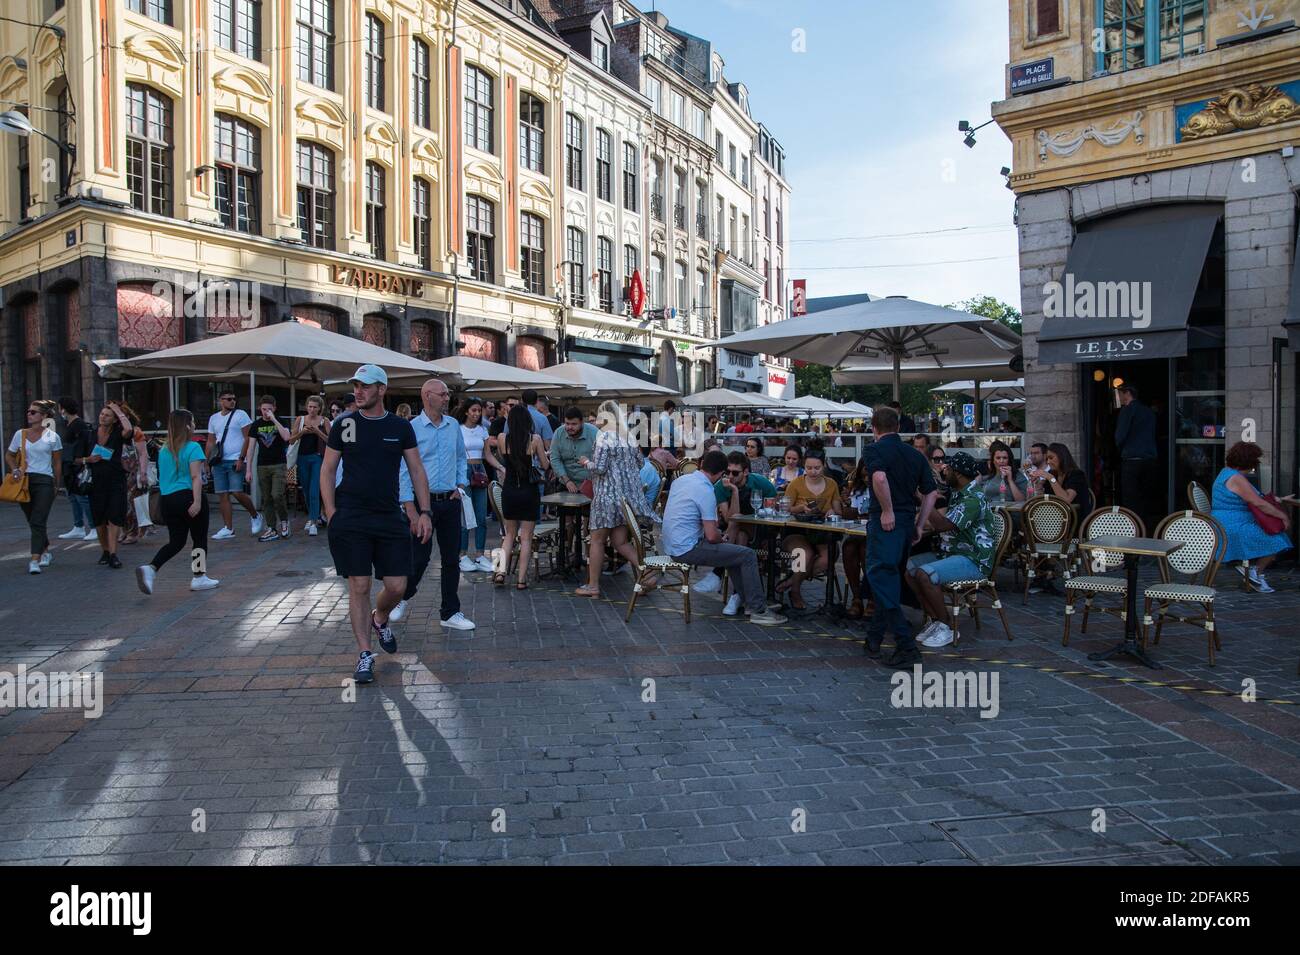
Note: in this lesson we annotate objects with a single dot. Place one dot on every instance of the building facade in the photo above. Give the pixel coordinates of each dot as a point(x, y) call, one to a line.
point(1156, 195)
point(771, 213)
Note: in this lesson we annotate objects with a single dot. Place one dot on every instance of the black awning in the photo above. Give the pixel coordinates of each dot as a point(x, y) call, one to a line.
point(1292, 321)
point(1128, 286)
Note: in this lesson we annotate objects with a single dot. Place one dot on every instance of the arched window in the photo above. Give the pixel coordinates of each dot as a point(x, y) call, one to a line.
point(146, 321)
point(422, 340)
point(532, 132)
point(374, 329)
point(239, 176)
point(327, 318)
point(149, 149)
point(481, 343)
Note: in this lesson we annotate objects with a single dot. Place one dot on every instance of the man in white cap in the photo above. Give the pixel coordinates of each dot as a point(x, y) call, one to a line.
point(368, 532)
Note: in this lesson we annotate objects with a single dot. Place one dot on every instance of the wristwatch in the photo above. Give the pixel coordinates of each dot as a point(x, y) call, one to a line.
point(426, 512)
point(1053, 480)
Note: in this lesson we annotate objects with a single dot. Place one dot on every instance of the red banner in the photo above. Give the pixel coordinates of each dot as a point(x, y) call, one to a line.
point(799, 301)
point(636, 297)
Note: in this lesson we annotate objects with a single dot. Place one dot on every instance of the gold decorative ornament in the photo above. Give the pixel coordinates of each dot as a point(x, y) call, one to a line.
point(1241, 108)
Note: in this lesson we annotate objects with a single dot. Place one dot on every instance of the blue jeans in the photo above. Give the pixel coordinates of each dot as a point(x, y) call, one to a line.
point(309, 481)
point(944, 570)
point(478, 495)
point(81, 511)
point(885, 551)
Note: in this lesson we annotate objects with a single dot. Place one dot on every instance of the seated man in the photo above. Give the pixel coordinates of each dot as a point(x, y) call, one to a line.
point(966, 548)
point(572, 444)
point(650, 480)
point(690, 534)
point(735, 497)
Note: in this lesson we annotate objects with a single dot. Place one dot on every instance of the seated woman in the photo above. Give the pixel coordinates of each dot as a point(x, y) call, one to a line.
point(790, 469)
point(1005, 482)
point(758, 463)
point(855, 499)
point(812, 495)
point(1230, 503)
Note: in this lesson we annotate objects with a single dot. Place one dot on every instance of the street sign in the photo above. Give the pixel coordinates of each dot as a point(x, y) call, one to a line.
point(968, 416)
point(1026, 76)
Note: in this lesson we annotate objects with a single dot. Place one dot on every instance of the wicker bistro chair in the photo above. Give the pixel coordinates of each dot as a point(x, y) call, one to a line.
point(651, 564)
point(965, 594)
point(1049, 531)
point(1198, 498)
point(1103, 522)
point(1204, 544)
point(546, 535)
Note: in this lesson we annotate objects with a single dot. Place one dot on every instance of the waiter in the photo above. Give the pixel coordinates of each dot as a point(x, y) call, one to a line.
point(899, 474)
point(1135, 437)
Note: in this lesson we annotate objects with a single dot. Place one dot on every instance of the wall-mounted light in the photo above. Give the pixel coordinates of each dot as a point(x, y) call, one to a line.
point(1116, 382)
point(1098, 375)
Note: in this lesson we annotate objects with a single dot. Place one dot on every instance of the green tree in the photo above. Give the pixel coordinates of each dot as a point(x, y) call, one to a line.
point(990, 307)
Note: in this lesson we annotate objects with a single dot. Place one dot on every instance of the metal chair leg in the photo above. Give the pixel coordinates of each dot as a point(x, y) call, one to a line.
point(997, 605)
point(1087, 608)
point(1069, 615)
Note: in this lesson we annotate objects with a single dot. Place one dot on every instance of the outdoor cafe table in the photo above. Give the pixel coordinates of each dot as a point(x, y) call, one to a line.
point(569, 504)
point(1132, 548)
point(790, 525)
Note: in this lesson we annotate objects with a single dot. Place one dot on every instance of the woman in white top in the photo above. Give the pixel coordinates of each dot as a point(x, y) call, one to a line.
point(478, 451)
point(37, 452)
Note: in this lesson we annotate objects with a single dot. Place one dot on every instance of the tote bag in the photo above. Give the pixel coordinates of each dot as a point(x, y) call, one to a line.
point(1267, 522)
point(14, 489)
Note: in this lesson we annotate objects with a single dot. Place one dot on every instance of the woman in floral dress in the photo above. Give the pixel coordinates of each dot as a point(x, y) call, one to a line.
point(616, 476)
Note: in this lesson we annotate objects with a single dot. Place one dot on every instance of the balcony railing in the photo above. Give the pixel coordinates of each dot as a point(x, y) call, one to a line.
point(702, 226)
point(679, 216)
point(657, 207)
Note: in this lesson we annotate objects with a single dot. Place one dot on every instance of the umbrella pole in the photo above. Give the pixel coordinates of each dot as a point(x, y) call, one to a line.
point(898, 376)
point(979, 408)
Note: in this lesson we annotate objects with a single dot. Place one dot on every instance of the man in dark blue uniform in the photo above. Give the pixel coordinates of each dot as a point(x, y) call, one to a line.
point(899, 475)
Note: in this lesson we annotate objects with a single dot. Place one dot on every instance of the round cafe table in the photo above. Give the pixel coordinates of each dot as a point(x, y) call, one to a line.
point(1132, 548)
point(569, 507)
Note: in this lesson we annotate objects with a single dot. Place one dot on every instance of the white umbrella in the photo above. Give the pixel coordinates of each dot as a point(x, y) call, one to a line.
point(895, 334)
point(462, 371)
point(583, 378)
point(1007, 402)
point(987, 390)
point(288, 352)
point(816, 407)
point(862, 410)
point(726, 398)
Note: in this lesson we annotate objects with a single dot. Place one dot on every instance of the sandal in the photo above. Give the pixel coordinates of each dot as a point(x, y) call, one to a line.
point(521, 585)
point(498, 580)
point(587, 592)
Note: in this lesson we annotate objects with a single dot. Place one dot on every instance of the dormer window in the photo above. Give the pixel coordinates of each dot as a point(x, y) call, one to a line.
point(600, 54)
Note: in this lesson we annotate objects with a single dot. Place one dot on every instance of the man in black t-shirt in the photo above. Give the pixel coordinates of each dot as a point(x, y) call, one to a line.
point(368, 532)
point(271, 439)
point(77, 442)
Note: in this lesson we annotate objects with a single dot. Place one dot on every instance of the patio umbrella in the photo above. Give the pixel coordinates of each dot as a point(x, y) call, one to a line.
point(814, 407)
point(890, 335)
point(583, 378)
point(726, 398)
point(862, 410)
point(987, 390)
point(464, 372)
point(667, 376)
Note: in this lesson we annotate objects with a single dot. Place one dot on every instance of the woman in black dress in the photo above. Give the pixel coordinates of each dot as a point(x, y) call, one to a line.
point(108, 480)
point(520, 499)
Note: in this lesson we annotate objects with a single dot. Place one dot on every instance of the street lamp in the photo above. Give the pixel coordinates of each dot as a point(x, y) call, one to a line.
point(15, 122)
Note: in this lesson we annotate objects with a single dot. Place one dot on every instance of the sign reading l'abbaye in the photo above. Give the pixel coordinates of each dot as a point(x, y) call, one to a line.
point(375, 280)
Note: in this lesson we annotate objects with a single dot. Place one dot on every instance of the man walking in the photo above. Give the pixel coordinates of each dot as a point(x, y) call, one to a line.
point(898, 473)
point(441, 447)
point(367, 530)
point(690, 534)
point(227, 438)
point(1139, 463)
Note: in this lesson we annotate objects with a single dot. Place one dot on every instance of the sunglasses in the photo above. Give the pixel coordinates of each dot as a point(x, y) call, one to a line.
point(938, 457)
point(735, 473)
point(228, 398)
point(33, 410)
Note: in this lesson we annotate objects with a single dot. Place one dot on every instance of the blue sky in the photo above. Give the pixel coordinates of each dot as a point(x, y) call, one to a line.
point(868, 117)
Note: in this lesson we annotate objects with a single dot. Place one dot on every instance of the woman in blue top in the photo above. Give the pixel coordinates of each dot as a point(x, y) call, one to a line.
point(184, 505)
point(1231, 497)
point(789, 469)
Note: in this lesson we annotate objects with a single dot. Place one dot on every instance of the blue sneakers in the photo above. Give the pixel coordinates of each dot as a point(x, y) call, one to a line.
point(365, 668)
point(385, 635)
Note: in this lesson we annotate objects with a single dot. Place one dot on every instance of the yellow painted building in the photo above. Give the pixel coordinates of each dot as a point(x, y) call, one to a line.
point(1156, 183)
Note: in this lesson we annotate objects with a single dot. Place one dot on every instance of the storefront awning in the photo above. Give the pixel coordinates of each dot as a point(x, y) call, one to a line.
point(1128, 287)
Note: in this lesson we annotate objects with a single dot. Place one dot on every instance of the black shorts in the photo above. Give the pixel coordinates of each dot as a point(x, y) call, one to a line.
point(364, 543)
point(108, 495)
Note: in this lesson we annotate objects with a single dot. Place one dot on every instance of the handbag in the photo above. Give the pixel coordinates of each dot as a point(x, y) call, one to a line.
point(477, 476)
point(1267, 522)
point(15, 489)
point(291, 456)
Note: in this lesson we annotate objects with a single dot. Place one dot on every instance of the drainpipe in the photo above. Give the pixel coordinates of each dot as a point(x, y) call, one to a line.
point(454, 323)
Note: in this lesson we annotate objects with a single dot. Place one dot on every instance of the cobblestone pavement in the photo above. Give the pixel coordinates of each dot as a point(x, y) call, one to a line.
point(532, 740)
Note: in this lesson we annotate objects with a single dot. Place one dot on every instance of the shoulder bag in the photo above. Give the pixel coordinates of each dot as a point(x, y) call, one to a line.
point(216, 458)
point(15, 489)
point(1267, 522)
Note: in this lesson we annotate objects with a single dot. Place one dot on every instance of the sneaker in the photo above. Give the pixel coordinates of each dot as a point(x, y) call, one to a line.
point(257, 526)
point(311, 529)
point(284, 529)
point(33, 567)
point(103, 558)
point(271, 535)
point(733, 606)
point(385, 634)
point(871, 646)
point(928, 631)
point(710, 584)
point(203, 582)
point(223, 535)
point(398, 612)
point(144, 575)
point(468, 566)
point(904, 659)
point(484, 563)
point(75, 534)
point(114, 562)
point(458, 621)
point(1260, 584)
point(940, 636)
point(91, 535)
point(767, 619)
point(365, 672)
point(46, 559)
